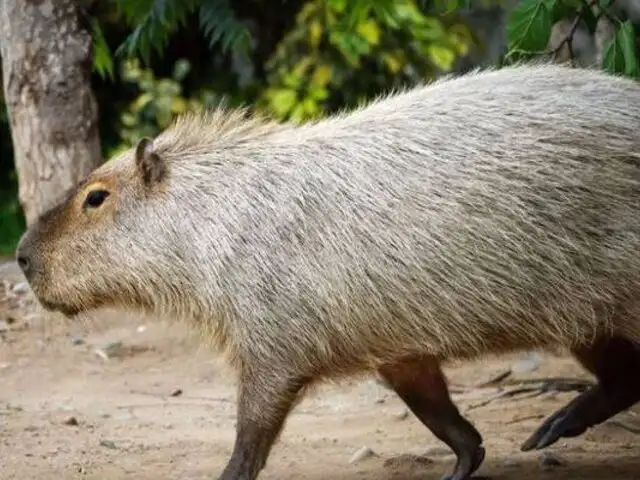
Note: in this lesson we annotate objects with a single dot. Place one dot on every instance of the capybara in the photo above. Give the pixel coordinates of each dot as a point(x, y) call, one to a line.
point(485, 213)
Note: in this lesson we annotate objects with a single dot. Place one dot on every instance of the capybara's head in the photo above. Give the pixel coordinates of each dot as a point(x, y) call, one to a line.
point(105, 242)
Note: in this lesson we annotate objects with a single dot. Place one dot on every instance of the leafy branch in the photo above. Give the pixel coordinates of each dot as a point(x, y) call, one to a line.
point(531, 22)
point(153, 22)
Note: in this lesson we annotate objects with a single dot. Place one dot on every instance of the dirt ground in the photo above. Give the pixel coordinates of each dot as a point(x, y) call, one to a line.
point(122, 397)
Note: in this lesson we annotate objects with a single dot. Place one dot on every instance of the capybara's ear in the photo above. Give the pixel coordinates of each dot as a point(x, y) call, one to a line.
point(150, 165)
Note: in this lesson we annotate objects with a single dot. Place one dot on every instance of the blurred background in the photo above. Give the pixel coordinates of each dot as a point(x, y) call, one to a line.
point(126, 68)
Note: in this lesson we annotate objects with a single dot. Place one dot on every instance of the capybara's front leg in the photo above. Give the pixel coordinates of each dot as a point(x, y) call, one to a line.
point(263, 405)
point(615, 362)
point(421, 384)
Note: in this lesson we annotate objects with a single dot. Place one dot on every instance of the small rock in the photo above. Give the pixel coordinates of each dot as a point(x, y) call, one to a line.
point(549, 461)
point(110, 350)
point(529, 363)
point(362, 454)
point(20, 288)
point(176, 393)
point(102, 354)
point(402, 414)
point(71, 421)
point(141, 328)
point(108, 444)
point(77, 341)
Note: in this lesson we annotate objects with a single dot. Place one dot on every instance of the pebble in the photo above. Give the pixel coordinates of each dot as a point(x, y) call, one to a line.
point(402, 414)
point(176, 393)
point(110, 349)
point(77, 341)
point(71, 421)
point(549, 461)
point(108, 444)
point(20, 288)
point(362, 454)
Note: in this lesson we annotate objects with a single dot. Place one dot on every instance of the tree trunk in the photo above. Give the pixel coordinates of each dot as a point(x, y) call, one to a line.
point(46, 63)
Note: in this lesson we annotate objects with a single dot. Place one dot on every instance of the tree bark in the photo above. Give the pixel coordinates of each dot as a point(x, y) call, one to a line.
point(46, 63)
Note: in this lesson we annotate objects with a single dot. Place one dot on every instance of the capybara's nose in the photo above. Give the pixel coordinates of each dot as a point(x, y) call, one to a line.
point(24, 261)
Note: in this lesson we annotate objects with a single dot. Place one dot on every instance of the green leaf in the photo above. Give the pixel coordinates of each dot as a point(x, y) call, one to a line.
point(442, 56)
point(431, 29)
point(283, 100)
point(318, 93)
point(322, 75)
point(142, 101)
point(613, 59)
point(220, 24)
point(409, 12)
point(102, 59)
point(337, 5)
point(298, 113)
point(529, 26)
point(370, 31)
point(153, 22)
point(627, 39)
point(181, 69)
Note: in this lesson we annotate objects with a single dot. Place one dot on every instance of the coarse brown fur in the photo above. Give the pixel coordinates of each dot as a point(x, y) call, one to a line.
point(480, 214)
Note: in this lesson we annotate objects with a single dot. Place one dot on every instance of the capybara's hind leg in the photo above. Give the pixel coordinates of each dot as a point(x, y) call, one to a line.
point(421, 384)
point(615, 362)
point(263, 405)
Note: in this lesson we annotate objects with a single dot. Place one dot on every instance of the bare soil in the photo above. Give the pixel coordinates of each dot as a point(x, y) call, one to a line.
point(159, 407)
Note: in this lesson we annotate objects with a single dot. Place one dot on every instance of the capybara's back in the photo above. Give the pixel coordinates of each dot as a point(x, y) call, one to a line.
point(485, 213)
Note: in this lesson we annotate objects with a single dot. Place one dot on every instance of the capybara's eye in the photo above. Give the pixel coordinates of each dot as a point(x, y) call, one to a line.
point(95, 198)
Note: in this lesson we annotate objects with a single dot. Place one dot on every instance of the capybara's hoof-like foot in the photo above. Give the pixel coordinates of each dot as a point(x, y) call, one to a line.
point(467, 465)
point(562, 424)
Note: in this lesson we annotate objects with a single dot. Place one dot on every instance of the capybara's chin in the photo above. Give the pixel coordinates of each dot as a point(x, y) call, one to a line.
point(56, 306)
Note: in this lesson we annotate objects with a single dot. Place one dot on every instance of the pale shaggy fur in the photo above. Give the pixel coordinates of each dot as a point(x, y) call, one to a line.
point(494, 211)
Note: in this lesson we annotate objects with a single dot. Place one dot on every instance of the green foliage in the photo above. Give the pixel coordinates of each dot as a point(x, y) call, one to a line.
point(531, 21)
point(102, 59)
point(529, 28)
point(154, 21)
point(219, 23)
point(620, 54)
point(319, 65)
point(337, 43)
point(11, 224)
point(159, 101)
